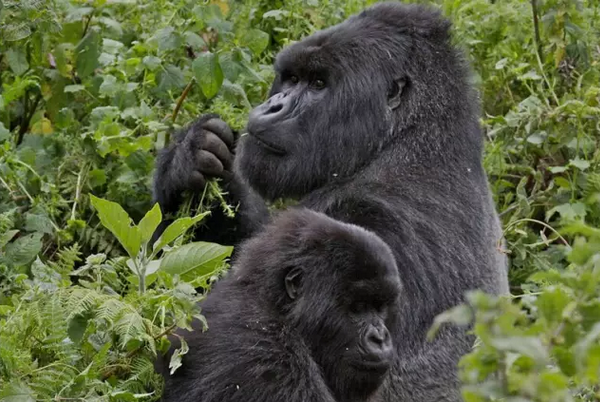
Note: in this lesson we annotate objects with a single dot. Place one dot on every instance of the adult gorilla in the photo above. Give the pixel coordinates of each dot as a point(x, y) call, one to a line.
point(372, 122)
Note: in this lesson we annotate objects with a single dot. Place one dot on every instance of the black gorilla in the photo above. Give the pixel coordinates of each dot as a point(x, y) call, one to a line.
point(303, 316)
point(372, 122)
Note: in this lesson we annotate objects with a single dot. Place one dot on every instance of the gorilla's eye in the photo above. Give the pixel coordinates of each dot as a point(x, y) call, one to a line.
point(294, 79)
point(319, 84)
point(358, 307)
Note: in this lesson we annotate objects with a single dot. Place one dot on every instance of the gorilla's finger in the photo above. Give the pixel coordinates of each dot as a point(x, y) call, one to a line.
point(220, 128)
point(209, 164)
point(196, 181)
point(216, 146)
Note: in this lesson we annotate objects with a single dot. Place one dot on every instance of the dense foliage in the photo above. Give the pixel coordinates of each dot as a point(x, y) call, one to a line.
point(90, 89)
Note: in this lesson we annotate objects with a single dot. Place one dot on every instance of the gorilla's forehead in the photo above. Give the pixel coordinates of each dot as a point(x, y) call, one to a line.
point(376, 35)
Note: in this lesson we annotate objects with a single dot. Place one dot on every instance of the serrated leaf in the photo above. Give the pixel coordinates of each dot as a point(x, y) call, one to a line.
point(255, 40)
point(169, 78)
point(24, 250)
point(115, 219)
point(195, 260)
point(176, 229)
point(109, 86)
point(208, 73)
point(150, 222)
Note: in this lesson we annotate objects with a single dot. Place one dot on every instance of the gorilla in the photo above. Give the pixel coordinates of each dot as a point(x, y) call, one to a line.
point(302, 316)
point(372, 122)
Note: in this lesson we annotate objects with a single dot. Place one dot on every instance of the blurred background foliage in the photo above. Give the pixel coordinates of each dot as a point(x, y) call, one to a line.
point(91, 89)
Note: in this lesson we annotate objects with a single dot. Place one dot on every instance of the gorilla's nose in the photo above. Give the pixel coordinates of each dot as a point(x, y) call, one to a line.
point(275, 110)
point(276, 103)
point(379, 342)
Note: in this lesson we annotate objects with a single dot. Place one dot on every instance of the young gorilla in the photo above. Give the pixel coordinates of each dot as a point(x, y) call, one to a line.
point(303, 316)
point(372, 122)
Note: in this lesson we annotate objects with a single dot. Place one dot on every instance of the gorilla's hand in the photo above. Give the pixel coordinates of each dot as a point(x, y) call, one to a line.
point(202, 150)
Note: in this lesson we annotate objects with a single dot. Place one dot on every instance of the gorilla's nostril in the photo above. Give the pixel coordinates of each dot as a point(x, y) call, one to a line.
point(274, 108)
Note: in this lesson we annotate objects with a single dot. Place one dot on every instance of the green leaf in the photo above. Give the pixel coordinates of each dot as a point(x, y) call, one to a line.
point(524, 345)
point(255, 40)
point(176, 229)
point(195, 260)
point(73, 88)
point(459, 315)
point(17, 61)
point(16, 392)
point(580, 164)
point(4, 133)
point(77, 327)
point(207, 71)
point(115, 219)
point(109, 87)
point(171, 77)
point(38, 223)
point(24, 250)
point(88, 52)
point(175, 362)
point(150, 222)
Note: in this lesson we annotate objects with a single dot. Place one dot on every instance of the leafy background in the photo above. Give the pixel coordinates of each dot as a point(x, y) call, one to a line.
point(91, 89)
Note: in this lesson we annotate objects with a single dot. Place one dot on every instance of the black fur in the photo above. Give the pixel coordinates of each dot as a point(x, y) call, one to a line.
point(391, 143)
point(263, 345)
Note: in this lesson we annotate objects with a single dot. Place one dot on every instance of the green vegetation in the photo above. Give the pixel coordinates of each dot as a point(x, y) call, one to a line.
point(90, 89)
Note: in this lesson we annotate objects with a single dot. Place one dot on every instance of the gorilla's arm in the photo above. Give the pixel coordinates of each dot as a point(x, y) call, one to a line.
point(201, 151)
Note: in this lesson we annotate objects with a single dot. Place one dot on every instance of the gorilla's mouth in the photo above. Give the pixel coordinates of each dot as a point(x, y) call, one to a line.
point(267, 145)
point(373, 366)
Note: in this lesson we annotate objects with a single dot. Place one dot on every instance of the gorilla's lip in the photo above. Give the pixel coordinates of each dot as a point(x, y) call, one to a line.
point(379, 365)
point(266, 144)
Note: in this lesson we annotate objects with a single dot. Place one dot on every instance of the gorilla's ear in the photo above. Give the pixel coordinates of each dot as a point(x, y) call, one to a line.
point(293, 281)
point(395, 92)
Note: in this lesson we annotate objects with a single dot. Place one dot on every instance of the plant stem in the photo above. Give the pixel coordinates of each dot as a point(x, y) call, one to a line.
point(536, 27)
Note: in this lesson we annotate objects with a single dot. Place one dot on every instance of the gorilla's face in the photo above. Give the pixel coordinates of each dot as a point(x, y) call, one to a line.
point(343, 303)
point(328, 114)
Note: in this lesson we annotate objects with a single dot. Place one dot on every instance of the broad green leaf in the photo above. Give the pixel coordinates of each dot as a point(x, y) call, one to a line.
point(115, 219)
point(16, 392)
point(17, 61)
point(169, 78)
point(167, 39)
point(24, 250)
point(150, 222)
point(77, 326)
point(38, 223)
point(195, 260)
point(176, 229)
point(256, 40)
point(87, 53)
point(207, 71)
point(580, 164)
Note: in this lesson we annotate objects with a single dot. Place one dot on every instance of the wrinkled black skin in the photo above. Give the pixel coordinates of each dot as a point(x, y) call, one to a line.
point(411, 172)
point(306, 341)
